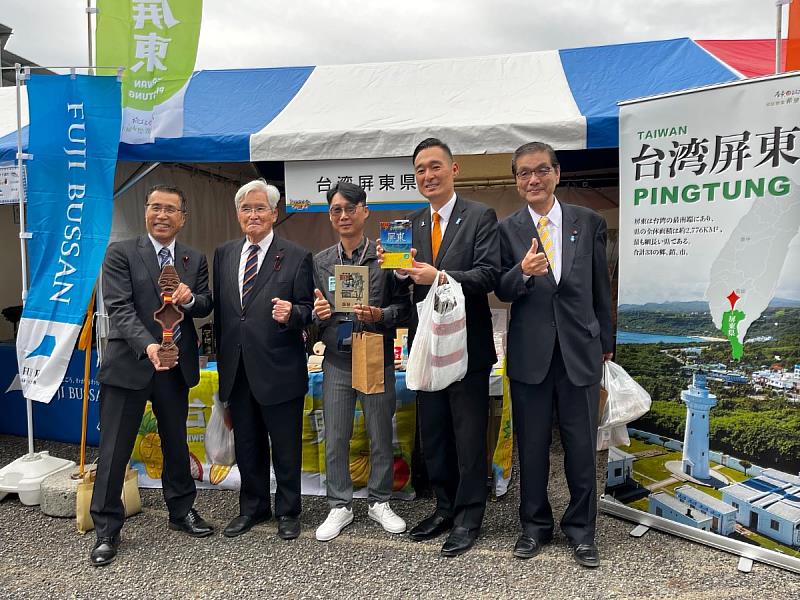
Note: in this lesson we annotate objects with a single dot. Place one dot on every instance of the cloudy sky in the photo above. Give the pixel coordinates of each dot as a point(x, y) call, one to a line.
point(261, 33)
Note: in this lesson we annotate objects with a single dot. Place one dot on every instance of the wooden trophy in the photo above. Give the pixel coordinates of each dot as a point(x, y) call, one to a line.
point(168, 316)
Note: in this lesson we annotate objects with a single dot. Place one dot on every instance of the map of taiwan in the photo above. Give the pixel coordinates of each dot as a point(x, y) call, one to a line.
point(745, 273)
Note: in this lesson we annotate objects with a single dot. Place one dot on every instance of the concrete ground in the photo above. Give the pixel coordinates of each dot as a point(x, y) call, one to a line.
point(44, 557)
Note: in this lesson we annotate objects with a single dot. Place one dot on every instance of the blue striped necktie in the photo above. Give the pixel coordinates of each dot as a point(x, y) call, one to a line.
point(250, 272)
point(164, 259)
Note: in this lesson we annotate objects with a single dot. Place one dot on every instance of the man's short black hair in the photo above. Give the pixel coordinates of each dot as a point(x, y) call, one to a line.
point(432, 143)
point(167, 189)
point(351, 192)
point(532, 148)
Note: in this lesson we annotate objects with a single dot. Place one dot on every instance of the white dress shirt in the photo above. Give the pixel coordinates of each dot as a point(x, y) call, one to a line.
point(444, 214)
point(263, 247)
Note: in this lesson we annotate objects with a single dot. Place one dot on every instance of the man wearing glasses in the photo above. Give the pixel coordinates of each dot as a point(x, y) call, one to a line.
point(390, 306)
point(556, 277)
point(263, 296)
point(132, 373)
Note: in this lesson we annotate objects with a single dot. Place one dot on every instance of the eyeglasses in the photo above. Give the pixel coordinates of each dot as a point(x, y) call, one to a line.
point(261, 209)
point(164, 208)
point(540, 172)
point(350, 209)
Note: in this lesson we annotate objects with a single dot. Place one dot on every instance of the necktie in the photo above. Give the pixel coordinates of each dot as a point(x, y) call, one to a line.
point(250, 272)
point(547, 241)
point(164, 259)
point(436, 235)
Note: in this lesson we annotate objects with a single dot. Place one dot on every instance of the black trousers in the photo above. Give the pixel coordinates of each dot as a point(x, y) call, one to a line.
point(261, 431)
point(576, 408)
point(453, 425)
point(121, 413)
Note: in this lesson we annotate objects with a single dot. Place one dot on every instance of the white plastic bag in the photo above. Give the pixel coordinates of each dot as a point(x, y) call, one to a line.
point(438, 356)
point(612, 436)
point(219, 439)
point(627, 400)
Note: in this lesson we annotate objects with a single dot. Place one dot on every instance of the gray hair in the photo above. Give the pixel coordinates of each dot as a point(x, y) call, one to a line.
point(258, 185)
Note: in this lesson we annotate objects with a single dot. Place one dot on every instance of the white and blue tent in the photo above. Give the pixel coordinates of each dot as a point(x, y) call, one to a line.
point(480, 105)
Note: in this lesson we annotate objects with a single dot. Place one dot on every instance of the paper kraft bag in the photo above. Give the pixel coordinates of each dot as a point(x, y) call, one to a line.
point(83, 499)
point(367, 353)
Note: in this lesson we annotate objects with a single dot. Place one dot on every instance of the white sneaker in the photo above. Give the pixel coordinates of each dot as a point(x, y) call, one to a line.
point(338, 519)
point(382, 513)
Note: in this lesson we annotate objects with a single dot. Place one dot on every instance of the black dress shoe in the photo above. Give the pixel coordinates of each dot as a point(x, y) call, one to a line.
point(528, 547)
point(104, 551)
point(192, 524)
point(586, 555)
point(430, 528)
point(459, 541)
point(288, 527)
point(243, 524)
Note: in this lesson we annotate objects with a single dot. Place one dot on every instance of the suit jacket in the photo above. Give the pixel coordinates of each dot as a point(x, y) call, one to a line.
point(470, 253)
point(577, 309)
point(273, 353)
point(132, 295)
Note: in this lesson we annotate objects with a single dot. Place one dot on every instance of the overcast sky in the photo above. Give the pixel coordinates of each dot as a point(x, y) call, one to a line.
point(261, 33)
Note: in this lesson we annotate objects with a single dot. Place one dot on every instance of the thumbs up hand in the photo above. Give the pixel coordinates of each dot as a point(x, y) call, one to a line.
point(534, 262)
point(322, 308)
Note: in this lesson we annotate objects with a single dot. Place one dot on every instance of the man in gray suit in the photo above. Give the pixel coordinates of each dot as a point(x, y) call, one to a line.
point(556, 277)
point(131, 372)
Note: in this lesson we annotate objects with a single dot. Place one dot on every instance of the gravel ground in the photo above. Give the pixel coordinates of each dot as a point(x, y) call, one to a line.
point(44, 557)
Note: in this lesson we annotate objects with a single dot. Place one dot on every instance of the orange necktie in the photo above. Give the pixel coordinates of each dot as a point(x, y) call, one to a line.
point(436, 235)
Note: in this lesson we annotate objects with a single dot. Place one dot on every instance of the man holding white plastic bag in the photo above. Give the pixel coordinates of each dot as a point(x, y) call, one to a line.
point(556, 277)
point(460, 237)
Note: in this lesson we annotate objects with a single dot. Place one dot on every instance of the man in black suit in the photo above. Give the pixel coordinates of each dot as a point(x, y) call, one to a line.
point(131, 372)
point(556, 277)
point(460, 237)
point(263, 297)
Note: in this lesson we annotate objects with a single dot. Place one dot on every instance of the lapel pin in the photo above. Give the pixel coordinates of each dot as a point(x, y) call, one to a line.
point(458, 220)
point(574, 233)
point(185, 262)
point(422, 224)
point(277, 266)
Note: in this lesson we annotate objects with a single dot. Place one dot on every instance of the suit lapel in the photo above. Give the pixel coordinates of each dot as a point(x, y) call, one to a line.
point(268, 267)
point(422, 236)
point(232, 264)
point(181, 261)
point(148, 255)
point(453, 226)
point(569, 233)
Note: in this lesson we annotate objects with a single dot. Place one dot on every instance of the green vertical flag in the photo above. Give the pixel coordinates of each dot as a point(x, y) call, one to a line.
point(156, 42)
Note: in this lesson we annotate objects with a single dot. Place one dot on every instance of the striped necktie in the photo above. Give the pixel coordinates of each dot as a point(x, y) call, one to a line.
point(250, 272)
point(164, 259)
point(436, 235)
point(547, 241)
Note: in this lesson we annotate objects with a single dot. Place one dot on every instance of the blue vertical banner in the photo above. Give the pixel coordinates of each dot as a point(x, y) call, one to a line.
point(74, 136)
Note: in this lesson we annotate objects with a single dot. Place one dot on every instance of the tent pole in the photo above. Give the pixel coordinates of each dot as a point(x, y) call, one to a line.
point(779, 33)
point(23, 235)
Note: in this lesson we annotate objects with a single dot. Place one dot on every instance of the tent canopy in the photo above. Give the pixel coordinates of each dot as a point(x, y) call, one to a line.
point(479, 105)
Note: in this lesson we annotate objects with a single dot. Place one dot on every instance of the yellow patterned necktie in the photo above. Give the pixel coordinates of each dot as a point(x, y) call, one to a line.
point(547, 241)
